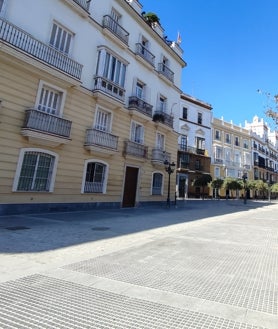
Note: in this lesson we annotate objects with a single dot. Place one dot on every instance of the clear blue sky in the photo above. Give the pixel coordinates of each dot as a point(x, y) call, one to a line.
point(231, 50)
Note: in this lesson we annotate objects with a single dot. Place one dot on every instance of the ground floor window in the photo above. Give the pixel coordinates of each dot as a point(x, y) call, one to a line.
point(157, 184)
point(35, 171)
point(95, 180)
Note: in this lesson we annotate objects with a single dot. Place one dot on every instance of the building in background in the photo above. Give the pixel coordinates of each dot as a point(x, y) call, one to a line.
point(264, 151)
point(194, 151)
point(231, 152)
point(87, 89)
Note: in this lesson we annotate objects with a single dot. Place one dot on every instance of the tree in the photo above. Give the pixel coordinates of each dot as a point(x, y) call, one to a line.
point(232, 184)
point(262, 187)
point(203, 181)
point(217, 184)
point(150, 18)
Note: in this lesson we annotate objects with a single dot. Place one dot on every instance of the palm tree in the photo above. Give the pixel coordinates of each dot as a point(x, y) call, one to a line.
point(202, 181)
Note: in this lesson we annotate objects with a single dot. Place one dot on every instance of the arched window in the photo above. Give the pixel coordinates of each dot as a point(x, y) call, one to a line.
point(157, 184)
point(95, 177)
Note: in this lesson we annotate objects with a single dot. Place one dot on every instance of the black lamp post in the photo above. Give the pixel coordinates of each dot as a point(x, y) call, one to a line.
point(169, 167)
point(244, 177)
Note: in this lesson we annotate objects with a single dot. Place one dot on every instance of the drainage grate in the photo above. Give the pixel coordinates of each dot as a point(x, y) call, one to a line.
point(17, 228)
point(101, 228)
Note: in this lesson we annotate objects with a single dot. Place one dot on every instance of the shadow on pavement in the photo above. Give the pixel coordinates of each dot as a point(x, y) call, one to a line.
point(48, 231)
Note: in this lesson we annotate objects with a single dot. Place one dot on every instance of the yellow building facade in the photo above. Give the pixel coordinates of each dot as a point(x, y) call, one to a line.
point(68, 144)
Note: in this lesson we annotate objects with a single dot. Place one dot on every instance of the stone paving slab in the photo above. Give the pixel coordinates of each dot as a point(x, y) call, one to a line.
point(201, 266)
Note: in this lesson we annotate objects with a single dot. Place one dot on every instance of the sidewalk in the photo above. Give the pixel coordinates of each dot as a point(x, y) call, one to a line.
point(203, 264)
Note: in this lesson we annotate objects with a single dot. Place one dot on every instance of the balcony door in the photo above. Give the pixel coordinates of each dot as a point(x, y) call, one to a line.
point(130, 187)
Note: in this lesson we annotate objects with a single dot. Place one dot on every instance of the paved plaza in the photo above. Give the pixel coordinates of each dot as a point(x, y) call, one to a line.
point(203, 264)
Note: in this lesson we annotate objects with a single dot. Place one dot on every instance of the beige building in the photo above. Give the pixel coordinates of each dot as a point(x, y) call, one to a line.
point(86, 95)
point(231, 152)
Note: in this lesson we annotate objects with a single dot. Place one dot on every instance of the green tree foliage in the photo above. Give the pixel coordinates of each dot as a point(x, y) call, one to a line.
point(232, 184)
point(202, 181)
point(217, 183)
point(150, 18)
point(274, 188)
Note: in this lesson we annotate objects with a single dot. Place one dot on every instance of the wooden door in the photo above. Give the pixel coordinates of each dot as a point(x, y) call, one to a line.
point(130, 187)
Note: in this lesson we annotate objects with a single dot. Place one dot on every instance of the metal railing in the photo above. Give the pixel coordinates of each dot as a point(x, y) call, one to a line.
point(163, 69)
point(163, 117)
point(22, 40)
point(135, 149)
point(48, 123)
point(101, 138)
point(109, 23)
point(145, 53)
point(109, 87)
point(138, 104)
point(85, 4)
point(191, 149)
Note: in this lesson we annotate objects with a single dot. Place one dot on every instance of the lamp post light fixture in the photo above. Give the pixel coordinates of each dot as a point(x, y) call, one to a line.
point(169, 168)
point(244, 177)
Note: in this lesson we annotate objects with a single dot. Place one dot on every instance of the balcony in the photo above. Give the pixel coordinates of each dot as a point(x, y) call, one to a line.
point(23, 41)
point(85, 4)
point(109, 88)
point(46, 128)
point(166, 72)
point(113, 28)
point(218, 161)
point(135, 103)
point(144, 53)
point(101, 141)
point(159, 156)
point(135, 150)
point(193, 150)
point(161, 116)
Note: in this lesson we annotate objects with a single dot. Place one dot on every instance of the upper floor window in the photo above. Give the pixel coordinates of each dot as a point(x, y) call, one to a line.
point(145, 43)
point(103, 120)
point(184, 113)
point(160, 141)
point(139, 90)
point(162, 102)
point(217, 135)
point(2, 6)
point(183, 144)
point(200, 118)
point(111, 67)
point(218, 153)
point(137, 133)
point(116, 16)
point(245, 143)
point(157, 184)
point(95, 177)
point(217, 172)
point(236, 141)
point(200, 143)
point(228, 138)
point(36, 171)
point(61, 38)
point(50, 99)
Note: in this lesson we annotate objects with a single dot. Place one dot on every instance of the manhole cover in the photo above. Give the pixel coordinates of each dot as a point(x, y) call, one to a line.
point(16, 228)
point(100, 228)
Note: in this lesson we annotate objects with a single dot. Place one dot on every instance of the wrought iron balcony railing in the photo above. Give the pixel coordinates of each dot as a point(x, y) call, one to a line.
point(161, 116)
point(47, 123)
point(194, 150)
point(164, 70)
point(101, 138)
point(135, 149)
point(22, 40)
point(113, 26)
point(138, 104)
point(109, 87)
point(145, 53)
point(85, 4)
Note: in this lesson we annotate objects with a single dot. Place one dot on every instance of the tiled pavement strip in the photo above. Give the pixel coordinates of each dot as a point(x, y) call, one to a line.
point(206, 264)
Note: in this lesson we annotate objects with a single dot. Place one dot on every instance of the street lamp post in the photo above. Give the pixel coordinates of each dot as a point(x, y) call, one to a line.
point(244, 177)
point(169, 168)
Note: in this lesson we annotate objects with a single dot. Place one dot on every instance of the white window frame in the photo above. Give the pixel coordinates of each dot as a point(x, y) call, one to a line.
point(111, 66)
point(22, 152)
point(217, 172)
point(162, 183)
point(104, 183)
point(62, 92)
point(162, 103)
point(160, 141)
point(137, 132)
point(103, 119)
point(140, 89)
point(3, 4)
point(61, 39)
